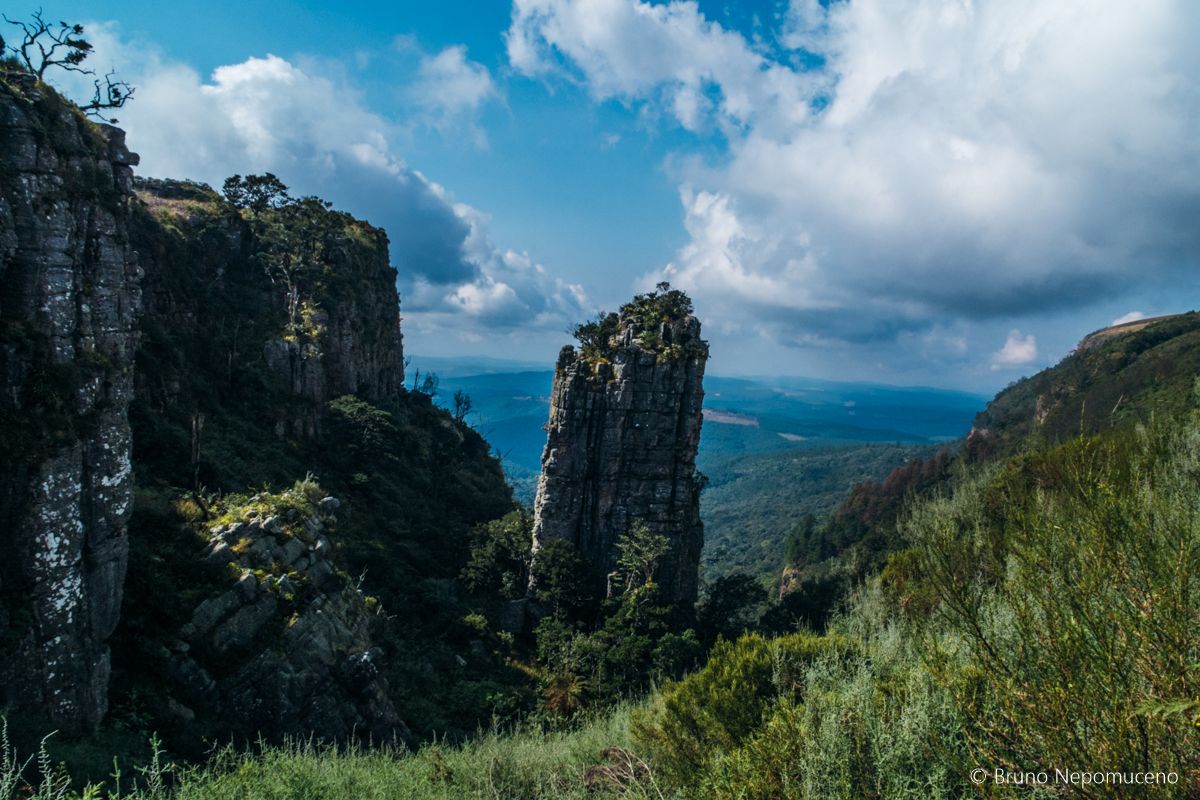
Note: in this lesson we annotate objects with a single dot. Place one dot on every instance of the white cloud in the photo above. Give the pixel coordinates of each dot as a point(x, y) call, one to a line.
point(945, 164)
point(1132, 316)
point(316, 134)
point(450, 88)
point(669, 52)
point(1018, 351)
point(513, 291)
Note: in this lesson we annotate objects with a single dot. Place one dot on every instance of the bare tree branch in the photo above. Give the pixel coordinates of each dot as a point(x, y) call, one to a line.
point(60, 45)
point(45, 44)
point(113, 94)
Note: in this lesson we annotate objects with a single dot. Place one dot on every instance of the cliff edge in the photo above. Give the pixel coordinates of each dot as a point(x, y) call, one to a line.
point(69, 299)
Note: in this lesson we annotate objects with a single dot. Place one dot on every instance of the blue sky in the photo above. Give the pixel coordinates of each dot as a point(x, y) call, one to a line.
point(935, 192)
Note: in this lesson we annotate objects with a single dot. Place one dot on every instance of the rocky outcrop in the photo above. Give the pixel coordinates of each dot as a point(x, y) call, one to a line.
point(69, 300)
point(624, 427)
point(143, 337)
point(283, 645)
point(209, 297)
point(359, 349)
point(234, 390)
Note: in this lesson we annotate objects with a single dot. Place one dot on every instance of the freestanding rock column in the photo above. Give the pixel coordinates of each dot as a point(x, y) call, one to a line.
point(624, 426)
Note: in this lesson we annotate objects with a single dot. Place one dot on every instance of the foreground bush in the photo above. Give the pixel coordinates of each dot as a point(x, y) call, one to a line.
point(693, 721)
point(847, 715)
point(1045, 618)
point(1070, 581)
point(870, 724)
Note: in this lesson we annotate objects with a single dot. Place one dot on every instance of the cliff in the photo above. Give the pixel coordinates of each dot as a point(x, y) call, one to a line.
point(166, 354)
point(218, 327)
point(69, 298)
point(624, 427)
point(245, 377)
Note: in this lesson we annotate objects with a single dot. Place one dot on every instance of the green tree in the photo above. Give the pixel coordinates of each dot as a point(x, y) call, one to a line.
point(255, 192)
point(801, 542)
point(500, 556)
point(462, 405)
point(300, 238)
point(732, 606)
point(559, 577)
point(595, 336)
point(639, 552)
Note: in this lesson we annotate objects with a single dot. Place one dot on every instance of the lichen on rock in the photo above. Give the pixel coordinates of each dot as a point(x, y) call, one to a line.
point(68, 311)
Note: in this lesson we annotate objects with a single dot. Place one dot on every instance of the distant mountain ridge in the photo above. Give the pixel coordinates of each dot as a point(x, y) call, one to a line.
point(1098, 337)
point(1118, 376)
point(744, 415)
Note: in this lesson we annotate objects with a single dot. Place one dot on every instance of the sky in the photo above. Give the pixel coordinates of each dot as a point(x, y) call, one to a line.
point(921, 192)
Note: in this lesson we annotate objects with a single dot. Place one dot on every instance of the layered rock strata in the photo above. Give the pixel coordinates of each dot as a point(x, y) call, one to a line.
point(621, 448)
point(69, 300)
point(284, 645)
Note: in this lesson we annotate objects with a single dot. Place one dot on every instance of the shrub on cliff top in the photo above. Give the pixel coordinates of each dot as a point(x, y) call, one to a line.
point(597, 337)
point(664, 304)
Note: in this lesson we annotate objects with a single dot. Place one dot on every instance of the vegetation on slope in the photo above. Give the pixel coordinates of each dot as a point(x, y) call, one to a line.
point(1041, 619)
point(212, 417)
point(1123, 379)
point(648, 314)
point(1129, 377)
point(760, 500)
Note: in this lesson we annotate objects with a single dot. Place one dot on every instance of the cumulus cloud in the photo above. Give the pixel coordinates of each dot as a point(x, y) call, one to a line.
point(1018, 351)
point(511, 293)
point(620, 49)
point(908, 166)
point(315, 132)
point(450, 88)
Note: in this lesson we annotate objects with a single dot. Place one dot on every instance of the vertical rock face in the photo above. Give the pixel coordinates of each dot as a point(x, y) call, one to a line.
point(207, 292)
point(622, 437)
point(360, 350)
point(69, 300)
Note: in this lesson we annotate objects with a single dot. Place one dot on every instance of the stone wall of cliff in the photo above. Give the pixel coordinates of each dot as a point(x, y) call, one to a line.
point(69, 299)
point(153, 364)
point(621, 447)
point(213, 310)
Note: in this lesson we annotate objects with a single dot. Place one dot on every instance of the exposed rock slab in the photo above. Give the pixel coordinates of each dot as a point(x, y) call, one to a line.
point(284, 646)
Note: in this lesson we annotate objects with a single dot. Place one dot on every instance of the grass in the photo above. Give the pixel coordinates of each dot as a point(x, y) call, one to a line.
point(527, 764)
